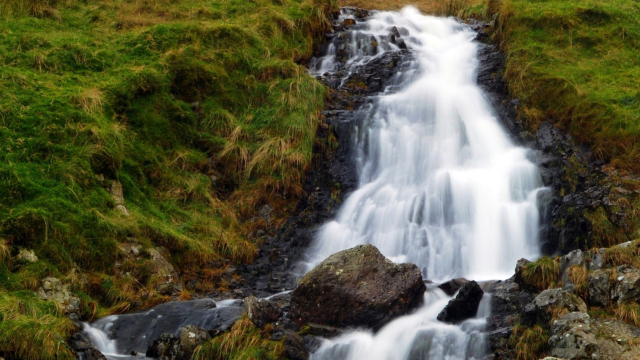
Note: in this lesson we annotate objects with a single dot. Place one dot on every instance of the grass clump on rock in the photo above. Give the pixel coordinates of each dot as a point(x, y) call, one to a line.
point(243, 342)
point(529, 343)
point(540, 274)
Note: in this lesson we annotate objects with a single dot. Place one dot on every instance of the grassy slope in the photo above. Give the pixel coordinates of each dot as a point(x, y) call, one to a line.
point(159, 95)
point(577, 62)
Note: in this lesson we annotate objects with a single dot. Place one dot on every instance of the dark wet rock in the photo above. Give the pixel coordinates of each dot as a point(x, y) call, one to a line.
point(324, 331)
point(294, 347)
point(464, 305)
point(541, 308)
point(84, 348)
point(507, 303)
point(518, 277)
point(360, 14)
point(261, 312)
point(572, 337)
point(357, 287)
point(168, 318)
point(171, 347)
point(452, 286)
point(166, 347)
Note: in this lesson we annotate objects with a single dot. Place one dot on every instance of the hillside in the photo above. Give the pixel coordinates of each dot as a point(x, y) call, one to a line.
point(131, 126)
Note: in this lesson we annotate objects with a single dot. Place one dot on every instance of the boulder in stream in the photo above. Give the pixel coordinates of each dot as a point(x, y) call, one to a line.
point(261, 312)
point(464, 305)
point(357, 287)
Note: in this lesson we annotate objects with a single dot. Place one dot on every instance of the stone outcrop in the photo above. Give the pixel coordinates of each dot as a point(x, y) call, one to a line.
point(53, 289)
point(167, 281)
point(571, 337)
point(357, 287)
point(552, 300)
point(26, 255)
point(599, 287)
point(261, 312)
point(464, 305)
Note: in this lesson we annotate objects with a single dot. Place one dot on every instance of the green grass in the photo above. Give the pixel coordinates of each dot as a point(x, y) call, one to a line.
point(576, 62)
point(158, 95)
point(541, 274)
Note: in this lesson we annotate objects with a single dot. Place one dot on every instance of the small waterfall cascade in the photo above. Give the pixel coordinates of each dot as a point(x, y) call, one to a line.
point(441, 185)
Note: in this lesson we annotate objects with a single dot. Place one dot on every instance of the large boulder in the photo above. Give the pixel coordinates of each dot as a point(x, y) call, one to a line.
point(464, 305)
point(261, 312)
point(357, 287)
point(572, 337)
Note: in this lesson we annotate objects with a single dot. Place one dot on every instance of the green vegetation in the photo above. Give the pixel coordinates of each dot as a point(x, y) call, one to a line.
point(541, 274)
point(577, 63)
point(202, 111)
point(243, 342)
point(628, 255)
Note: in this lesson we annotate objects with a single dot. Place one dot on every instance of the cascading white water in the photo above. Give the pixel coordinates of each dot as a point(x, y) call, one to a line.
point(440, 185)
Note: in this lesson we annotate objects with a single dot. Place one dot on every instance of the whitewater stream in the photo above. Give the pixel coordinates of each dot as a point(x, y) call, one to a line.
point(440, 184)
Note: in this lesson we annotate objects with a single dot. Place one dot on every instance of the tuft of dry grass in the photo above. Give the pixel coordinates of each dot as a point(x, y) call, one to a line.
point(529, 343)
point(617, 255)
point(541, 274)
point(578, 277)
point(628, 312)
point(243, 342)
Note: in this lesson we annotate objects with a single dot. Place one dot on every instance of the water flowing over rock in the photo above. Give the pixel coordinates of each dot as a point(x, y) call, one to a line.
point(440, 183)
point(136, 332)
point(464, 305)
point(357, 287)
point(452, 286)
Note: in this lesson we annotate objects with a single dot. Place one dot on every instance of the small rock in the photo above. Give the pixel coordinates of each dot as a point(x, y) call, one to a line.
point(261, 312)
point(116, 193)
point(356, 287)
point(166, 347)
point(83, 347)
point(596, 262)
point(52, 289)
point(190, 338)
point(294, 347)
point(464, 306)
point(452, 286)
point(27, 255)
point(348, 22)
point(627, 286)
point(599, 287)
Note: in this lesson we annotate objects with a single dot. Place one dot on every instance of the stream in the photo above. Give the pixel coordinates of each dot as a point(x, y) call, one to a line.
point(440, 185)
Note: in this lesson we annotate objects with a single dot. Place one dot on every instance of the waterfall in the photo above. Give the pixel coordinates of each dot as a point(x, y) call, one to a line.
point(440, 183)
